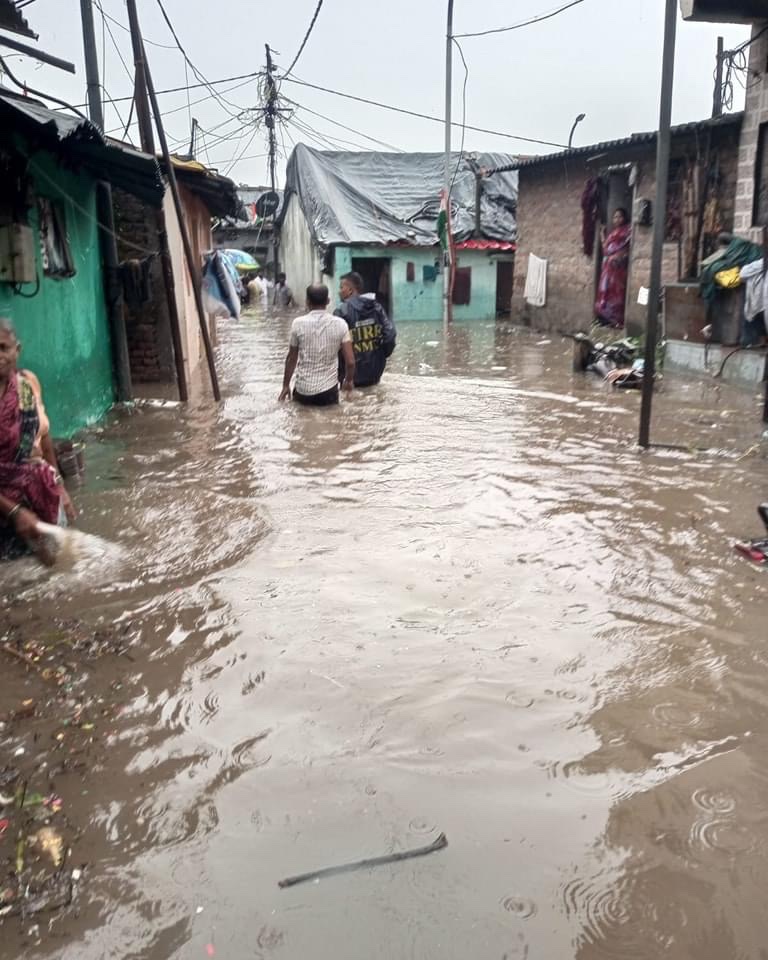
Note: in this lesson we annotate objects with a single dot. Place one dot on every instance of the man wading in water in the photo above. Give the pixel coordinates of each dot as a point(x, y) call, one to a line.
point(373, 333)
point(316, 341)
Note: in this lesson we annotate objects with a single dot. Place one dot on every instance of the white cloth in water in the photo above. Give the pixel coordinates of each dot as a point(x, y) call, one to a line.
point(536, 281)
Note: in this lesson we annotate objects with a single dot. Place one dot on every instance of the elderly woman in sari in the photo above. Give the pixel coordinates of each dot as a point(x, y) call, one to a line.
point(612, 289)
point(31, 489)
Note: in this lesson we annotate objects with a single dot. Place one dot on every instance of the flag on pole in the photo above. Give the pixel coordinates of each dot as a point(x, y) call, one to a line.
point(443, 222)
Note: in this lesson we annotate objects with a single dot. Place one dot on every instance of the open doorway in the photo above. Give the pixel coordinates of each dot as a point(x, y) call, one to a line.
point(616, 192)
point(505, 278)
point(376, 273)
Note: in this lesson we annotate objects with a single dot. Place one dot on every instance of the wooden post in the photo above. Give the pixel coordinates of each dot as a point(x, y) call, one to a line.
point(192, 266)
point(106, 218)
point(148, 146)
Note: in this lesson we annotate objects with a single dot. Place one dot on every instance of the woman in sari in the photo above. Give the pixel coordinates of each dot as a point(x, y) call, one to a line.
point(31, 489)
point(612, 289)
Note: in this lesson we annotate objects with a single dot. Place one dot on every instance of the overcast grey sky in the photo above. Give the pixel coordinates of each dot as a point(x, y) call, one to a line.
point(601, 58)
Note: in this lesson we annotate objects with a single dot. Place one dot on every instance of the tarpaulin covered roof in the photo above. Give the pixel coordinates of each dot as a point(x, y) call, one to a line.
point(383, 198)
point(218, 193)
point(83, 145)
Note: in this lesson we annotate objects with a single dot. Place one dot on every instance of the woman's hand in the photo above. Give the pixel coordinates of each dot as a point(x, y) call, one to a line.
point(25, 523)
point(69, 508)
point(285, 394)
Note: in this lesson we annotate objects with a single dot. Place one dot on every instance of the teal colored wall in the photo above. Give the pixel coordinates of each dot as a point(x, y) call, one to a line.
point(64, 329)
point(424, 301)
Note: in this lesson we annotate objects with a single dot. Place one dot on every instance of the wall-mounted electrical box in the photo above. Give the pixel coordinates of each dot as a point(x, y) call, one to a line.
point(17, 254)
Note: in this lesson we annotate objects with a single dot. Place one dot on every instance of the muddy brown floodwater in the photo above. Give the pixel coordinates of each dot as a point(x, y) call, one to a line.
point(461, 602)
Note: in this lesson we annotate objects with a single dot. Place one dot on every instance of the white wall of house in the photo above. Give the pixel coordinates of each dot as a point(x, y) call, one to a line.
point(299, 257)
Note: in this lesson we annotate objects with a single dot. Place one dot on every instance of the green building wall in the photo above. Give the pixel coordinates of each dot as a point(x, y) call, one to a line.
point(420, 299)
point(64, 328)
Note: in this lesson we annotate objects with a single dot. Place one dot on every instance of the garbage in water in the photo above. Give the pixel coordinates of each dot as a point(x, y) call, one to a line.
point(756, 550)
point(439, 844)
point(49, 842)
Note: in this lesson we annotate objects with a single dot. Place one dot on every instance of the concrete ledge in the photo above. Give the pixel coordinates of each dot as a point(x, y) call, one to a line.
point(746, 368)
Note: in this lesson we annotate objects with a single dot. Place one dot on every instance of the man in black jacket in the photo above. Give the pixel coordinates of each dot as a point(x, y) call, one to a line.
point(373, 333)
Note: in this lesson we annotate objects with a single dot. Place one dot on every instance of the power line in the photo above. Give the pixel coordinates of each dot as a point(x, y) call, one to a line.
point(117, 23)
point(224, 104)
point(463, 116)
point(424, 116)
point(524, 23)
point(238, 158)
point(251, 156)
point(247, 77)
point(380, 143)
point(304, 41)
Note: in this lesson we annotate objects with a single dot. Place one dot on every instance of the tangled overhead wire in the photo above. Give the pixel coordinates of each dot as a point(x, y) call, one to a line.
point(735, 66)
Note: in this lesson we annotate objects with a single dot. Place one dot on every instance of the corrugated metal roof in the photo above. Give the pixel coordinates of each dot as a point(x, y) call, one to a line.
point(84, 145)
point(635, 139)
point(12, 20)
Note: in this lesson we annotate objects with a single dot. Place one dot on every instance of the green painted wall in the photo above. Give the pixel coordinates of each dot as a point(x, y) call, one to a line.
point(64, 329)
point(420, 300)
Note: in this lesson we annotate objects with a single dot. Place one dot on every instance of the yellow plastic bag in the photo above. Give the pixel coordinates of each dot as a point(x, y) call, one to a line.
point(729, 279)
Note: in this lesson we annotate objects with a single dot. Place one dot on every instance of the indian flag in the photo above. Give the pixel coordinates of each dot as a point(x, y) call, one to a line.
point(443, 222)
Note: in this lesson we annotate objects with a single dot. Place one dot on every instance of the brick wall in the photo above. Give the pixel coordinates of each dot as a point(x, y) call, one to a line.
point(756, 113)
point(549, 225)
point(148, 328)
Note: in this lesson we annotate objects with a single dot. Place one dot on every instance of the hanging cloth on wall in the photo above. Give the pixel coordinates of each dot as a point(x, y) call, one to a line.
point(135, 277)
point(536, 281)
point(590, 212)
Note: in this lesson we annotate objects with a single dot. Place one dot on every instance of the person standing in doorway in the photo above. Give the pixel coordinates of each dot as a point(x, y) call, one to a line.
point(373, 333)
point(313, 354)
point(612, 288)
point(282, 296)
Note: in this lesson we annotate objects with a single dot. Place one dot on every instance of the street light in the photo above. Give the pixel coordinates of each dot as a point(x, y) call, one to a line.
point(576, 122)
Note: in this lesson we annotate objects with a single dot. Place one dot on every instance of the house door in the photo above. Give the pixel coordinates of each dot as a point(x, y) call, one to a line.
point(376, 273)
point(616, 193)
point(505, 277)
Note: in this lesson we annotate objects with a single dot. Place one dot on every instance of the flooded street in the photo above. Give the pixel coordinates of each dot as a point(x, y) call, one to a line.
point(460, 602)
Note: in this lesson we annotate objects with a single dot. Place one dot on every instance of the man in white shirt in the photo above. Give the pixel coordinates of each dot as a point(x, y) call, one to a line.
point(313, 354)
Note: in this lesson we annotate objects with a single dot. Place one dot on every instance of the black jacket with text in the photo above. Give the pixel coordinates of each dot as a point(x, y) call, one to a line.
point(373, 337)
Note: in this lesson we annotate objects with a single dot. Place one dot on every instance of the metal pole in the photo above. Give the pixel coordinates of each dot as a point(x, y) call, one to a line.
point(270, 120)
point(193, 138)
point(765, 264)
point(148, 146)
point(576, 122)
point(717, 103)
point(95, 109)
point(192, 265)
point(140, 82)
point(659, 219)
point(447, 265)
point(106, 217)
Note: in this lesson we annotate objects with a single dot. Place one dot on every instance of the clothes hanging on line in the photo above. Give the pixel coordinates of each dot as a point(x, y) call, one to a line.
point(536, 281)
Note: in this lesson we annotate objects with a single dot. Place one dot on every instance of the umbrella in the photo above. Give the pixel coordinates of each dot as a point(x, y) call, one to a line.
point(241, 259)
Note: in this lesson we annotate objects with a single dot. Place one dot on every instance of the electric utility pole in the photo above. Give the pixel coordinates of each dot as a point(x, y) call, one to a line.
point(271, 112)
point(659, 218)
point(106, 216)
point(717, 103)
point(447, 254)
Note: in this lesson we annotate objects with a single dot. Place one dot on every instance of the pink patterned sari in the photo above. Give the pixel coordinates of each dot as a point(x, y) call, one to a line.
point(612, 289)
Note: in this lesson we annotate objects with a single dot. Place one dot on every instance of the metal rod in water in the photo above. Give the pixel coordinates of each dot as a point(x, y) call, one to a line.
point(439, 844)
